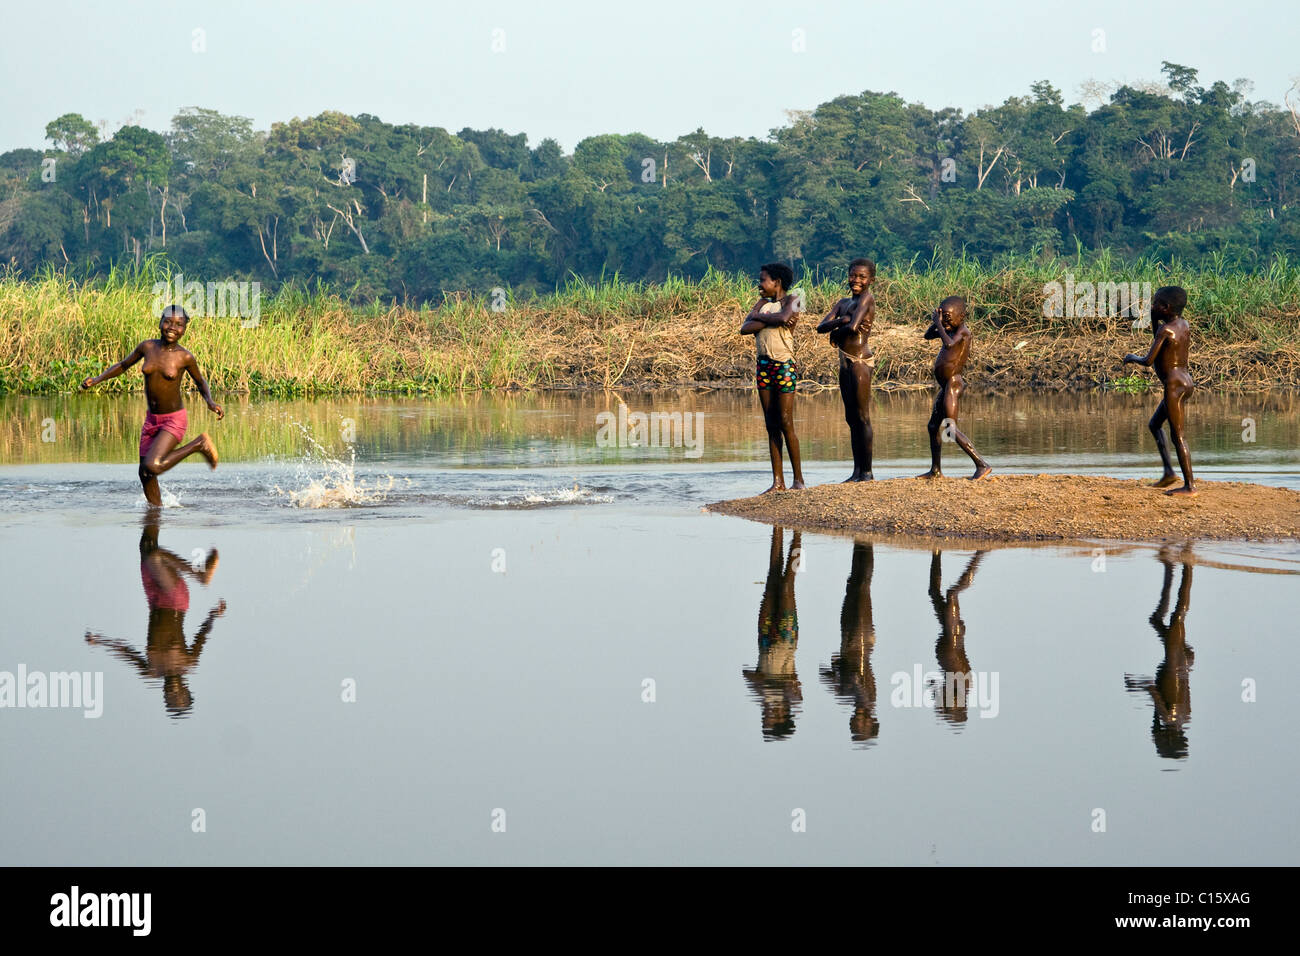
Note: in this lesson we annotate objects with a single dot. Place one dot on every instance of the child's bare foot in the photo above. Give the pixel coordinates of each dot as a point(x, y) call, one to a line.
point(1186, 491)
point(1166, 481)
point(798, 486)
point(932, 473)
point(776, 486)
point(980, 472)
point(856, 476)
point(208, 449)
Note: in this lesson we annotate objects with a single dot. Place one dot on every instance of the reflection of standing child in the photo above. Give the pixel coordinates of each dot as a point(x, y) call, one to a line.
point(771, 321)
point(948, 325)
point(773, 679)
point(1171, 690)
point(849, 675)
point(950, 649)
point(165, 362)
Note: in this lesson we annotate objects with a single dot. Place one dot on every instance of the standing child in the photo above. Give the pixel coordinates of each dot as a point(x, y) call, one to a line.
point(1172, 338)
point(771, 321)
point(849, 324)
point(948, 325)
point(164, 426)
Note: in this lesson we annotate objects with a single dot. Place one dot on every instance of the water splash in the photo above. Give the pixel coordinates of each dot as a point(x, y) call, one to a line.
point(169, 499)
point(542, 499)
point(323, 481)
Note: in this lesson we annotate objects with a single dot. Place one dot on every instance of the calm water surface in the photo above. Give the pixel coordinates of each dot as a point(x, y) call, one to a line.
point(493, 613)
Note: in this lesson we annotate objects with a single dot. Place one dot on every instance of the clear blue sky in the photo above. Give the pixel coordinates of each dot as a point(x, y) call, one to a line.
point(569, 70)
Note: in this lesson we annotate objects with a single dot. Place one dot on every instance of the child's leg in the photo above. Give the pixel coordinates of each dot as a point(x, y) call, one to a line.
point(861, 374)
point(772, 421)
point(1156, 426)
point(954, 391)
point(150, 484)
point(163, 455)
point(849, 397)
point(1177, 409)
point(933, 426)
point(791, 440)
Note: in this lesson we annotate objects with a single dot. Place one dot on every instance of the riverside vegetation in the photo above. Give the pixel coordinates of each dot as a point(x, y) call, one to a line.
point(57, 329)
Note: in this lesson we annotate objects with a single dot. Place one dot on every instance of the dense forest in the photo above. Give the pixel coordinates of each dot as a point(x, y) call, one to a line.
point(411, 213)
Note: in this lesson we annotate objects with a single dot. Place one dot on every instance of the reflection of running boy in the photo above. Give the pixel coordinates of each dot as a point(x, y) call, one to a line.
point(773, 680)
point(164, 426)
point(948, 325)
point(771, 321)
point(162, 573)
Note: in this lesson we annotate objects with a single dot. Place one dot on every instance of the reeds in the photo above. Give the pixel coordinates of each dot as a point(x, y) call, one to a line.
point(57, 330)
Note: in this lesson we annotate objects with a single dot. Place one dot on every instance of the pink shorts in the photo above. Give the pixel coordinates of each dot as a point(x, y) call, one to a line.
point(171, 422)
point(177, 599)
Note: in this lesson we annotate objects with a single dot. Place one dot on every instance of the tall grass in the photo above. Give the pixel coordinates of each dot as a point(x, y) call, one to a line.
point(57, 329)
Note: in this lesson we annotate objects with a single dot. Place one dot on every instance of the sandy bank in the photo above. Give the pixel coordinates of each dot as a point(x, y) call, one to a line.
point(1032, 507)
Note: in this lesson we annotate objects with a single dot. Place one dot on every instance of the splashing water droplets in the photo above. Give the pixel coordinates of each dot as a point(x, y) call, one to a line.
point(324, 481)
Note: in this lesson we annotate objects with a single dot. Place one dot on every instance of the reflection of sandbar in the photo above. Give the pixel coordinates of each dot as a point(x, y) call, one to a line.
point(1032, 507)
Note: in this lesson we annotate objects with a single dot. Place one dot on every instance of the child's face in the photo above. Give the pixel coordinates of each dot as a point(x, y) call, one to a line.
point(171, 328)
point(951, 316)
point(768, 286)
point(859, 279)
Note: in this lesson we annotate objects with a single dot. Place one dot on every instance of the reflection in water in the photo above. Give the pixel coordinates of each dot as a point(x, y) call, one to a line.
point(849, 675)
point(773, 679)
point(950, 649)
point(1171, 690)
point(167, 655)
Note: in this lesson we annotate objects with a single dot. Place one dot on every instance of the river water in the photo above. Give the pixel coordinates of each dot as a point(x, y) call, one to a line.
point(501, 630)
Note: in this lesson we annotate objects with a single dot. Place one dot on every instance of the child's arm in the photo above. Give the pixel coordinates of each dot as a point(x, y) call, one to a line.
point(930, 332)
point(937, 331)
point(865, 312)
point(192, 366)
point(1163, 336)
point(121, 650)
point(751, 323)
point(117, 368)
point(201, 636)
point(754, 312)
point(756, 321)
point(788, 315)
point(832, 321)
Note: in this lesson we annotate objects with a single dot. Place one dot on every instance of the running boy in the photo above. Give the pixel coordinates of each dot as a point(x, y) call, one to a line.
point(948, 325)
point(164, 426)
point(771, 321)
point(849, 323)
